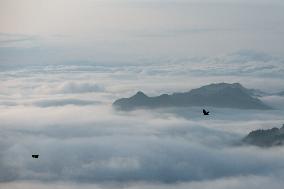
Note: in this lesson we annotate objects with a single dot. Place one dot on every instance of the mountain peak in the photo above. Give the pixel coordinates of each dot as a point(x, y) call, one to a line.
point(215, 88)
point(140, 94)
point(221, 85)
point(237, 85)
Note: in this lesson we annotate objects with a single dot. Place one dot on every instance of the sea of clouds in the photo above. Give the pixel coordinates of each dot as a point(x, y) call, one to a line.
point(64, 113)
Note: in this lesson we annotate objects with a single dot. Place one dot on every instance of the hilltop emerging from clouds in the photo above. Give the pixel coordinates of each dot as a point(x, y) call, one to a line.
point(266, 138)
point(215, 95)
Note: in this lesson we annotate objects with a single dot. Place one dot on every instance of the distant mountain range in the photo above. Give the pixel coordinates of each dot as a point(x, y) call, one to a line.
point(266, 138)
point(215, 95)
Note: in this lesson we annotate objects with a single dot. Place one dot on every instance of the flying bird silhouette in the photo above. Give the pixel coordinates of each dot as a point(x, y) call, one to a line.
point(35, 155)
point(205, 112)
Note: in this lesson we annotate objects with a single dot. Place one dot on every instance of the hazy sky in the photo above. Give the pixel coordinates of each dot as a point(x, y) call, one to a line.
point(128, 30)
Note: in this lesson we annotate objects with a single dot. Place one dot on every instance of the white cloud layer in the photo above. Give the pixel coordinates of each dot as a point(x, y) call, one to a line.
point(64, 113)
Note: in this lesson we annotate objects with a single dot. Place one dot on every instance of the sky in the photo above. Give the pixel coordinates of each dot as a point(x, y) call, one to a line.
point(121, 30)
point(64, 62)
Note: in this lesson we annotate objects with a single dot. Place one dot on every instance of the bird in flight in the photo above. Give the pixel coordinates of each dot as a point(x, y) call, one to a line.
point(35, 156)
point(205, 112)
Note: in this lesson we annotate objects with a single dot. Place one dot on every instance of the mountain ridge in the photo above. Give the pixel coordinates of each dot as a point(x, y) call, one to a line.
point(217, 95)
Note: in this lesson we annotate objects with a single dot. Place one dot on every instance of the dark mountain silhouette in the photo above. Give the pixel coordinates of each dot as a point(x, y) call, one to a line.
point(215, 95)
point(266, 138)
